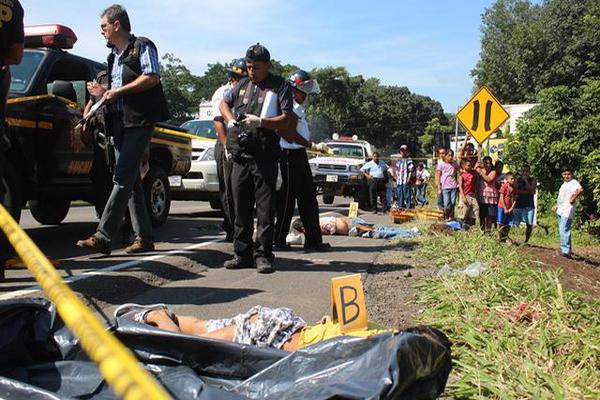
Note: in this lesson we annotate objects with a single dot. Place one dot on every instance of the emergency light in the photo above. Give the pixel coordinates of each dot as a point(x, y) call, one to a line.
point(53, 36)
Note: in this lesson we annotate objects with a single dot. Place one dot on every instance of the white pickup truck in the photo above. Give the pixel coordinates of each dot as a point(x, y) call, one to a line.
point(339, 174)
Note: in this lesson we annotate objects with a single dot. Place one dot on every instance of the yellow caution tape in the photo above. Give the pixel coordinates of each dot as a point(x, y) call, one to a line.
point(27, 123)
point(69, 103)
point(171, 143)
point(115, 362)
point(167, 131)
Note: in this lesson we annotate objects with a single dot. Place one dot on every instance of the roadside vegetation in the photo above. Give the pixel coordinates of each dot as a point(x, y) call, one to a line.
point(516, 333)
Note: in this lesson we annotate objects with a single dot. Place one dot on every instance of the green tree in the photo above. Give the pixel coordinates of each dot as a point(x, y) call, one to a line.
point(179, 86)
point(527, 47)
point(563, 130)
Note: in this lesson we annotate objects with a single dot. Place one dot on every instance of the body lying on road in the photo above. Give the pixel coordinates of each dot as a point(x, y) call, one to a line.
point(261, 326)
point(340, 225)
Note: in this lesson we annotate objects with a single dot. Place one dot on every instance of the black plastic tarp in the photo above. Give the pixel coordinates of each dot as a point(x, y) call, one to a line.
point(41, 359)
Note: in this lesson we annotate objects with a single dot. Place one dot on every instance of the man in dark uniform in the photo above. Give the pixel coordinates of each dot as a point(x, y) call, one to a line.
point(11, 53)
point(263, 104)
point(296, 174)
point(224, 161)
point(137, 103)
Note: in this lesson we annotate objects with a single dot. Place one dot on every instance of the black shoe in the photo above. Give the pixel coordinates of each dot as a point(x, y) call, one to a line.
point(317, 247)
point(569, 256)
point(238, 263)
point(281, 246)
point(264, 266)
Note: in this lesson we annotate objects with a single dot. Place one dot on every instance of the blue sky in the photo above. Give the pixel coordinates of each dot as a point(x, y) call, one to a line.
point(428, 46)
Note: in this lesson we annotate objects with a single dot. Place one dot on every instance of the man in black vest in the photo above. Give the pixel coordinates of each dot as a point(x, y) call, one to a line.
point(136, 103)
point(11, 53)
point(255, 108)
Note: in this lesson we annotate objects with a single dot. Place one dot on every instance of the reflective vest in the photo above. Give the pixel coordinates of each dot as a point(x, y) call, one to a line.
point(249, 99)
point(143, 108)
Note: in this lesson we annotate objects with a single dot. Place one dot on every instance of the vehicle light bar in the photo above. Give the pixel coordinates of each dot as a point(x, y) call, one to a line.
point(53, 36)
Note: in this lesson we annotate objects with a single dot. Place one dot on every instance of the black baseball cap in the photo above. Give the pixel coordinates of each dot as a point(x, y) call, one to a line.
point(258, 52)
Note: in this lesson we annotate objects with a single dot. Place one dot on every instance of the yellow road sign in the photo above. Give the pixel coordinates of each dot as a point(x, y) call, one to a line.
point(482, 115)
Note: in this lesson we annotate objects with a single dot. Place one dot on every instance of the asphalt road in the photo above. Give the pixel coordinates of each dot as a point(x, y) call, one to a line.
point(186, 270)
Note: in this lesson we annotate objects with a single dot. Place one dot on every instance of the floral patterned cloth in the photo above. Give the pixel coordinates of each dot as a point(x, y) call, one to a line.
point(270, 327)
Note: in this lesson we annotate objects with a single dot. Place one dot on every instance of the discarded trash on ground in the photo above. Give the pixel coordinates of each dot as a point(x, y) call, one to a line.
point(523, 312)
point(40, 358)
point(473, 270)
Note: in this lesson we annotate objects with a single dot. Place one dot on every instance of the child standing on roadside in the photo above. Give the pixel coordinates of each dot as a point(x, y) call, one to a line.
point(506, 204)
point(488, 194)
point(468, 208)
point(445, 178)
point(565, 209)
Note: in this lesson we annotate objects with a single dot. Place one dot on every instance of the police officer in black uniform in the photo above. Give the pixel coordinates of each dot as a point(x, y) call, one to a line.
point(137, 102)
point(224, 160)
point(11, 53)
point(296, 175)
point(255, 109)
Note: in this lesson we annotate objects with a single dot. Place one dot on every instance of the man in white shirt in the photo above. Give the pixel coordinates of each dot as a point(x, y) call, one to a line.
point(297, 181)
point(565, 209)
point(235, 72)
point(376, 171)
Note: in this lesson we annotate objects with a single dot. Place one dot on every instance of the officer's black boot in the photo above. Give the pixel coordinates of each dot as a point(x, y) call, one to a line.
point(238, 263)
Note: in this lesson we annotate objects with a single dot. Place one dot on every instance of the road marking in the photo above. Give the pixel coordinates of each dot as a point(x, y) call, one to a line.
point(117, 267)
point(128, 264)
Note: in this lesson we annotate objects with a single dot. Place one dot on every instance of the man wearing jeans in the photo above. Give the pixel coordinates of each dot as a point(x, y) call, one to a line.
point(375, 172)
point(565, 209)
point(405, 170)
point(136, 103)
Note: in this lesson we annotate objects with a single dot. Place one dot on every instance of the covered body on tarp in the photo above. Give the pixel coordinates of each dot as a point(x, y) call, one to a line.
point(40, 358)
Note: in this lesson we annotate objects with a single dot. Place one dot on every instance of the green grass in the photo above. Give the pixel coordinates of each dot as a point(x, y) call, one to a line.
point(556, 354)
point(580, 237)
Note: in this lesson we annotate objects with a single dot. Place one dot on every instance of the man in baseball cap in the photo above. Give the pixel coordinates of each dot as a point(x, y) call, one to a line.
point(255, 109)
point(258, 52)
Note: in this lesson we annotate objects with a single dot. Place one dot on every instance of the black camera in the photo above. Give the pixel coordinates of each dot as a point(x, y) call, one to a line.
point(246, 140)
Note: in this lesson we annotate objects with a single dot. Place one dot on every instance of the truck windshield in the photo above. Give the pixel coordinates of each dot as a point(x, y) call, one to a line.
point(204, 129)
point(23, 74)
point(347, 150)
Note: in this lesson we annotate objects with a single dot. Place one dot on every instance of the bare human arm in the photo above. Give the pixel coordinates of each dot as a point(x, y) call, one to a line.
point(463, 148)
point(140, 84)
point(501, 202)
point(576, 194)
point(489, 178)
point(221, 130)
point(460, 189)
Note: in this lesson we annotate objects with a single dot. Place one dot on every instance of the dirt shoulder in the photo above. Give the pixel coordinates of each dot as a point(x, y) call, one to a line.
point(389, 282)
point(580, 274)
point(389, 285)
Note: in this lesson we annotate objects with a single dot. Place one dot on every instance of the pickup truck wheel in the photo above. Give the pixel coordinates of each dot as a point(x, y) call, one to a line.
point(215, 204)
point(12, 191)
point(49, 211)
point(158, 195)
point(328, 199)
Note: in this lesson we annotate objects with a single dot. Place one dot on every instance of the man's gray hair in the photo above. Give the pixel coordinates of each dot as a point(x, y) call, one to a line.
point(117, 12)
